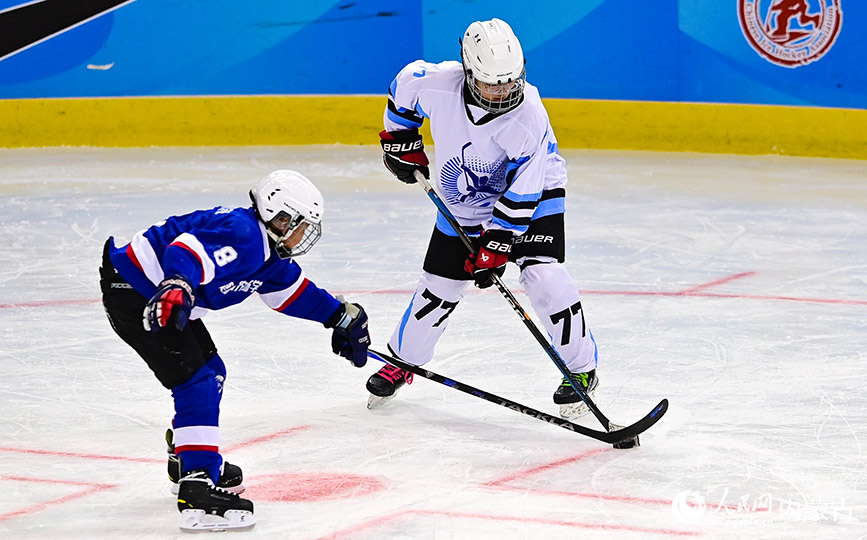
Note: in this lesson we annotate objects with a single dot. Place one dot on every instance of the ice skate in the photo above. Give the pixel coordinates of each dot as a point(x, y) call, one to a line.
point(571, 404)
point(384, 384)
point(231, 476)
point(205, 507)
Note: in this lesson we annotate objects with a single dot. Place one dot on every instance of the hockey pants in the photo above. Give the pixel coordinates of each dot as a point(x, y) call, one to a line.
point(553, 295)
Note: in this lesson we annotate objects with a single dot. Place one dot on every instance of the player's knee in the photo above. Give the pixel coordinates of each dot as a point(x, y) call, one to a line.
point(537, 274)
point(198, 399)
point(445, 289)
point(216, 364)
point(549, 286)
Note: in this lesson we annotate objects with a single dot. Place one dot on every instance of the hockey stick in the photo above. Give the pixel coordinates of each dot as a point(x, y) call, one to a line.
point(614, 436)
point(549, 349)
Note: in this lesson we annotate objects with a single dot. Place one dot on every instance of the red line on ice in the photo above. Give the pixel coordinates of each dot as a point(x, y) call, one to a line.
point(693, 290)
point(580, 495)
point(91, 488)
point(696, 291)
point(501, 482)
point(45, 303)
point(265, 438)
point(76, 455)
point(548, 466)
point(80, 455)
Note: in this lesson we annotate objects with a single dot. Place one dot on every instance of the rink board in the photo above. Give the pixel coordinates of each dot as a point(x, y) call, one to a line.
point(352, 120)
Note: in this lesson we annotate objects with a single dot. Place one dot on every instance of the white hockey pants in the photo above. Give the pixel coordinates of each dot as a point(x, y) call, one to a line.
point(553, 295)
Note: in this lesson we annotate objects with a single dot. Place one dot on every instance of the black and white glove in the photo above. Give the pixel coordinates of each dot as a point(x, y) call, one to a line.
point(170, 305)
point(492, 254)
point(350, 337)
point(403, 153)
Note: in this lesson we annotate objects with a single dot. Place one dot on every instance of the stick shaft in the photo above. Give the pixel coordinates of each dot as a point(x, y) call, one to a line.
point(516, 306)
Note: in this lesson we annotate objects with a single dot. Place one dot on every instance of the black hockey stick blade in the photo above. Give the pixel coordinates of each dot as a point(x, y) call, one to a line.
point(611, 437)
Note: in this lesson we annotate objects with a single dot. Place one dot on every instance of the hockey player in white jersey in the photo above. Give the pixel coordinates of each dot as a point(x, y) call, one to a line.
point(499, 173)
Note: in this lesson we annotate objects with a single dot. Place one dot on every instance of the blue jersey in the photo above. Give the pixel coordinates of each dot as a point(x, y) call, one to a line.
point(226, 255)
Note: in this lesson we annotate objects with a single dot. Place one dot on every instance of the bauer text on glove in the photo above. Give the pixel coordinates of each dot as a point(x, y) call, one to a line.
point(492, 254)
point(403, 153)
point(170, 305)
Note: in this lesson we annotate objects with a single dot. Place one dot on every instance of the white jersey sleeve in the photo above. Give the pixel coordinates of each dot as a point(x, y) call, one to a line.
point(409, 94)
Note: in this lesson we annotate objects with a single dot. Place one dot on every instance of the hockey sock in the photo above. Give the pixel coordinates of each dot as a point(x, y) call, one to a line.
point(196, 431)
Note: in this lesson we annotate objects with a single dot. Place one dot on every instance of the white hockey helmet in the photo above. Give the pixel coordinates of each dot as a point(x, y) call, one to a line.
point(494, 65)
point(291, 208)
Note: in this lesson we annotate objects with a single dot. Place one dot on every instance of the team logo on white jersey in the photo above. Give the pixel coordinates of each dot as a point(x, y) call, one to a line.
point(470, 180)
point(790, 33)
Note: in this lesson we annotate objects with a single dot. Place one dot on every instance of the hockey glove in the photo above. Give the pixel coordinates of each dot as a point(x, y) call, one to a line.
point(492, 254)
point(403, 153)
point(170, 305)
point(350, 337)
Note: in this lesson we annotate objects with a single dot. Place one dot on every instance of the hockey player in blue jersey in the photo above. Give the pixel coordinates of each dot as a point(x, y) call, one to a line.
point(156, 289)
point(499, 173)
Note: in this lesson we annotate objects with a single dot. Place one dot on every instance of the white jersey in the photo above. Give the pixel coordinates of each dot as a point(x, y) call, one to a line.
point(491, 170)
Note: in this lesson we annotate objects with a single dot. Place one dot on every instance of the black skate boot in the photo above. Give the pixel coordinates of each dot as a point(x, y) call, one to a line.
point(205, 507)
point(384, 384)
point(231, 476)
point(571, 404)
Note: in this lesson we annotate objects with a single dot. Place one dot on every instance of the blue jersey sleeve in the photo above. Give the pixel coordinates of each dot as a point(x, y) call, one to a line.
point(288, 291)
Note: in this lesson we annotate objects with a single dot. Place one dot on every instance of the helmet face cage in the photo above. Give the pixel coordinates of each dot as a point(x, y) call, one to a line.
point(508, 94)
point(311, 235)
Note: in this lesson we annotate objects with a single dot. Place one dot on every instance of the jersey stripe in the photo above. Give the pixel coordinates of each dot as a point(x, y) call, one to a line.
point(280, 300)
point(192, 244)
point(550, 207)
point(295, 295)
point(404, 117)
point(196, 447)
point(146, 258)
point(195, 437)
point(519, 216)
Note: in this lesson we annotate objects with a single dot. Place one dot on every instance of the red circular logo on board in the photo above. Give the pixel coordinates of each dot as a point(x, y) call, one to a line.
point(790, 33)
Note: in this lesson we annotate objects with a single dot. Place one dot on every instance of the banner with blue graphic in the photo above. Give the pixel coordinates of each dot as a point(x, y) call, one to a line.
point(784, 52)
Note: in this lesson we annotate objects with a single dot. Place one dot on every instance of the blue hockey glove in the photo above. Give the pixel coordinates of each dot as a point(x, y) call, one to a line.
point(171, 304)
point(350, 337)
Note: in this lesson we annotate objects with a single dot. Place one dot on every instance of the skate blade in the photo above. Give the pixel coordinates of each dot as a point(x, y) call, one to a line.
point(237, 490)
point(574, 411)
point(193, 521)
point(374, 402)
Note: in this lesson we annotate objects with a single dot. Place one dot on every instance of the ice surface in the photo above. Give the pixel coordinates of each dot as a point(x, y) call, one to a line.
point(734, 286)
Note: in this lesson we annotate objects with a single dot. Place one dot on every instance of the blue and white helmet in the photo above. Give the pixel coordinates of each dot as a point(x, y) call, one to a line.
point(494, 65)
